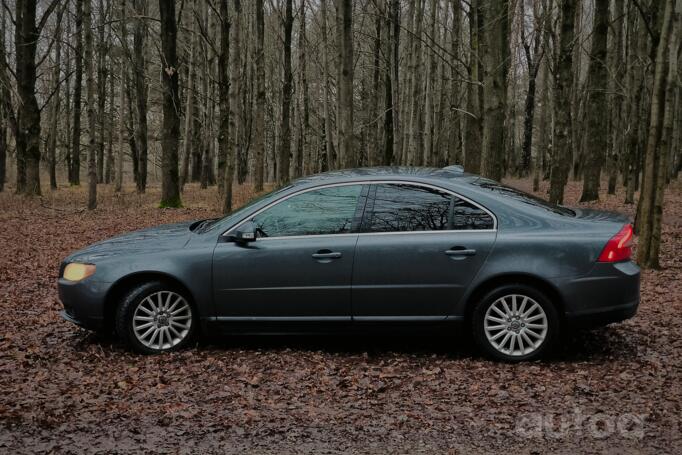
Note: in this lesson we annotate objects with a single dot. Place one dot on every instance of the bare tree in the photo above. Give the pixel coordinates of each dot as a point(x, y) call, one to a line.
point(563, 86)
point(347, 152)
point(285, 142)
point(90, 102)
point(233, 108)
point(259, 121)
point(473, 123)
point(326, 113)
point(650, 205)
point(139, 77)
point(56, 102)
point(75, 165)
point(170, 181)
point(495, 64)
point(27, 34)
point(596, 85)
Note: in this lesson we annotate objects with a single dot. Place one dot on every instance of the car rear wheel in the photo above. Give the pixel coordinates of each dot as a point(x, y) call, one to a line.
point(156, 317)
point(514, 323)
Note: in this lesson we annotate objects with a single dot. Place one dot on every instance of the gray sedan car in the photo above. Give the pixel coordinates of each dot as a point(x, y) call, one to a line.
point(374, 249)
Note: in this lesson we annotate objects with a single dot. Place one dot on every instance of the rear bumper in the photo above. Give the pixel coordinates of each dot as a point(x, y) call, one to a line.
point(602, 316)
point(610, 293)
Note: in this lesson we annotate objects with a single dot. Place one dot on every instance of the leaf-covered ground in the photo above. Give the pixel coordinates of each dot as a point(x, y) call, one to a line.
point(62, 389)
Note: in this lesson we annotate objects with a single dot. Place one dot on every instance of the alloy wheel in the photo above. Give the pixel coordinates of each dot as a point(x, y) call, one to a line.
point(162, 320)
point(516, 325)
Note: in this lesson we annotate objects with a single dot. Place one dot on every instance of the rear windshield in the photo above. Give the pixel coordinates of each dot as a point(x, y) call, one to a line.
point(520, 196)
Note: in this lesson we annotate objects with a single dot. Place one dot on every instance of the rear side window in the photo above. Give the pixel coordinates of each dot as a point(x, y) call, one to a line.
point(394, 207)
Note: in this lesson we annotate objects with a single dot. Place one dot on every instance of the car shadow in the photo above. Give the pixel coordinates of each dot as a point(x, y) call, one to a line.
point(608, 343)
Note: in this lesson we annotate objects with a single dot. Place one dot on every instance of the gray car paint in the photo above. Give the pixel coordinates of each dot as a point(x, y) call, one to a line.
point(529, 242)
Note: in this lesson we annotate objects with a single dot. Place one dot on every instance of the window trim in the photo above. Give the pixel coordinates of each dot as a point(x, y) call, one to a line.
point(369, 183)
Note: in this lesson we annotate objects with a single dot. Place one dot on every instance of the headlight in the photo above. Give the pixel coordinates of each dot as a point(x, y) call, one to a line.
point(77, 272)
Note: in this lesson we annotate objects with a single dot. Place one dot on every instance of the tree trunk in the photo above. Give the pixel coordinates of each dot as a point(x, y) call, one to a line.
point(616, 100)
point(234, 113)
point(259, 121)
point(285, 141)
point(326, 109)
point(170, 135)
point(495, 58)
point(414, 140)
point(91, 110)
point(637, 43)
point(473, 122)
point(428, 157)
point(303, 161)
point(454, 142)
point(347, 153)
point(102, 74)
point(189, 111)
point(56, 102)
point(28, 115)
point(563, 86)
point(139, 69)
point(650, 207)
point(75, 168)
point(533, 60)
point(5, 104)
point(596, 107)
point(109, 168)
point(395, 83)
point(121, 103)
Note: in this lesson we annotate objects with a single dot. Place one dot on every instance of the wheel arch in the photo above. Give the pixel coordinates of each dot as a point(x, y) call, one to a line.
point(119, 289)
point(527, 279)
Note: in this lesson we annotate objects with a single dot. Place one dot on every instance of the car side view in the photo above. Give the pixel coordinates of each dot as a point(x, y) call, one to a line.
point(371, 249)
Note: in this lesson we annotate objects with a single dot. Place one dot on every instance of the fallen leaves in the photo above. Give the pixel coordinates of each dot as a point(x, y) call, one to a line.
point(64, 389)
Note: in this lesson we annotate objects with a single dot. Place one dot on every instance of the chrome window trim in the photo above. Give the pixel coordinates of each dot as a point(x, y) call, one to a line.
point(368, 182)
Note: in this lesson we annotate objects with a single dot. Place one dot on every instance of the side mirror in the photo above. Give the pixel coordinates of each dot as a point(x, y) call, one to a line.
point(245, 233)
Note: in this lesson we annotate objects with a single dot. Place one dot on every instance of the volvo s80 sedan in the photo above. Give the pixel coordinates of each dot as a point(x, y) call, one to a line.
point(372, 250)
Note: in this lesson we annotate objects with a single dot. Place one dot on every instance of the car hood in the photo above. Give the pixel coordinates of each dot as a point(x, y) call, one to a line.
point(158, 238)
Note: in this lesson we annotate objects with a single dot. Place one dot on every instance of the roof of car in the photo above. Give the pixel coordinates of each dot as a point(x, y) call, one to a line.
point(385, 173)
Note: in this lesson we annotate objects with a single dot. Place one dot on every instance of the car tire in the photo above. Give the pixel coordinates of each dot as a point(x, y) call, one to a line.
point(156, 317)
point(515, 323)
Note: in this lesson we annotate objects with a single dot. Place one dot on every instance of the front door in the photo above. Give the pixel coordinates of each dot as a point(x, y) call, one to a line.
point(419, 249)
point(300, 266)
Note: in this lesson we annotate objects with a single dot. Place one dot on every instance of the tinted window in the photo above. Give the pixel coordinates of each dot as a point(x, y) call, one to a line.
point(466, 215)
point(399, 207)
point(403, 208)
point(522, 197)
point(324, 211)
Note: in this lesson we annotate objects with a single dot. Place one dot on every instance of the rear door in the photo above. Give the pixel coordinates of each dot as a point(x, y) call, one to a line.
point(419, 248)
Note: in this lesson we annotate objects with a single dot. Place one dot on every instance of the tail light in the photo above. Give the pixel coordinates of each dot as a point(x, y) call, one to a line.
point(619, 247)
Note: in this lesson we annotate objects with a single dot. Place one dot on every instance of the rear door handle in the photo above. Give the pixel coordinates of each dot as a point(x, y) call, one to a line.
point(329, 255)
point(460, 251)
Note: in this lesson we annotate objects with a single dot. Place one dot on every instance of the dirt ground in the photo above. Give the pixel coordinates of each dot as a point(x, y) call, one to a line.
point(62, 389)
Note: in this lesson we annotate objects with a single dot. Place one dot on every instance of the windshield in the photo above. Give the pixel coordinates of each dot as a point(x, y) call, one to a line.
point(522, 197)
point(240, 212)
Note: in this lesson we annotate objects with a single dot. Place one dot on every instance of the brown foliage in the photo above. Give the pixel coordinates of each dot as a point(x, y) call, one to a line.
point(64, 389)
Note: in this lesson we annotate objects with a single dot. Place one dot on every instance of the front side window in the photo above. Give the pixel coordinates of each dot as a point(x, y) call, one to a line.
point(325, 211)
point(395, 207)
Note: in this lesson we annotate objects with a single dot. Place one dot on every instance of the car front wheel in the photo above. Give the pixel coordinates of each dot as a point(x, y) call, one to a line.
point(514, 323)
point(155, 317)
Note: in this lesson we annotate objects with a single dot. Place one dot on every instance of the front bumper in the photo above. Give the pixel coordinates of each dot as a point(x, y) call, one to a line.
point(83, 302)
point(610, 293)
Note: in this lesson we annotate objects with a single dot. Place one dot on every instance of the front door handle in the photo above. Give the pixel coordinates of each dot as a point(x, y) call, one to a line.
point(460, 251)
point(327, 255)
